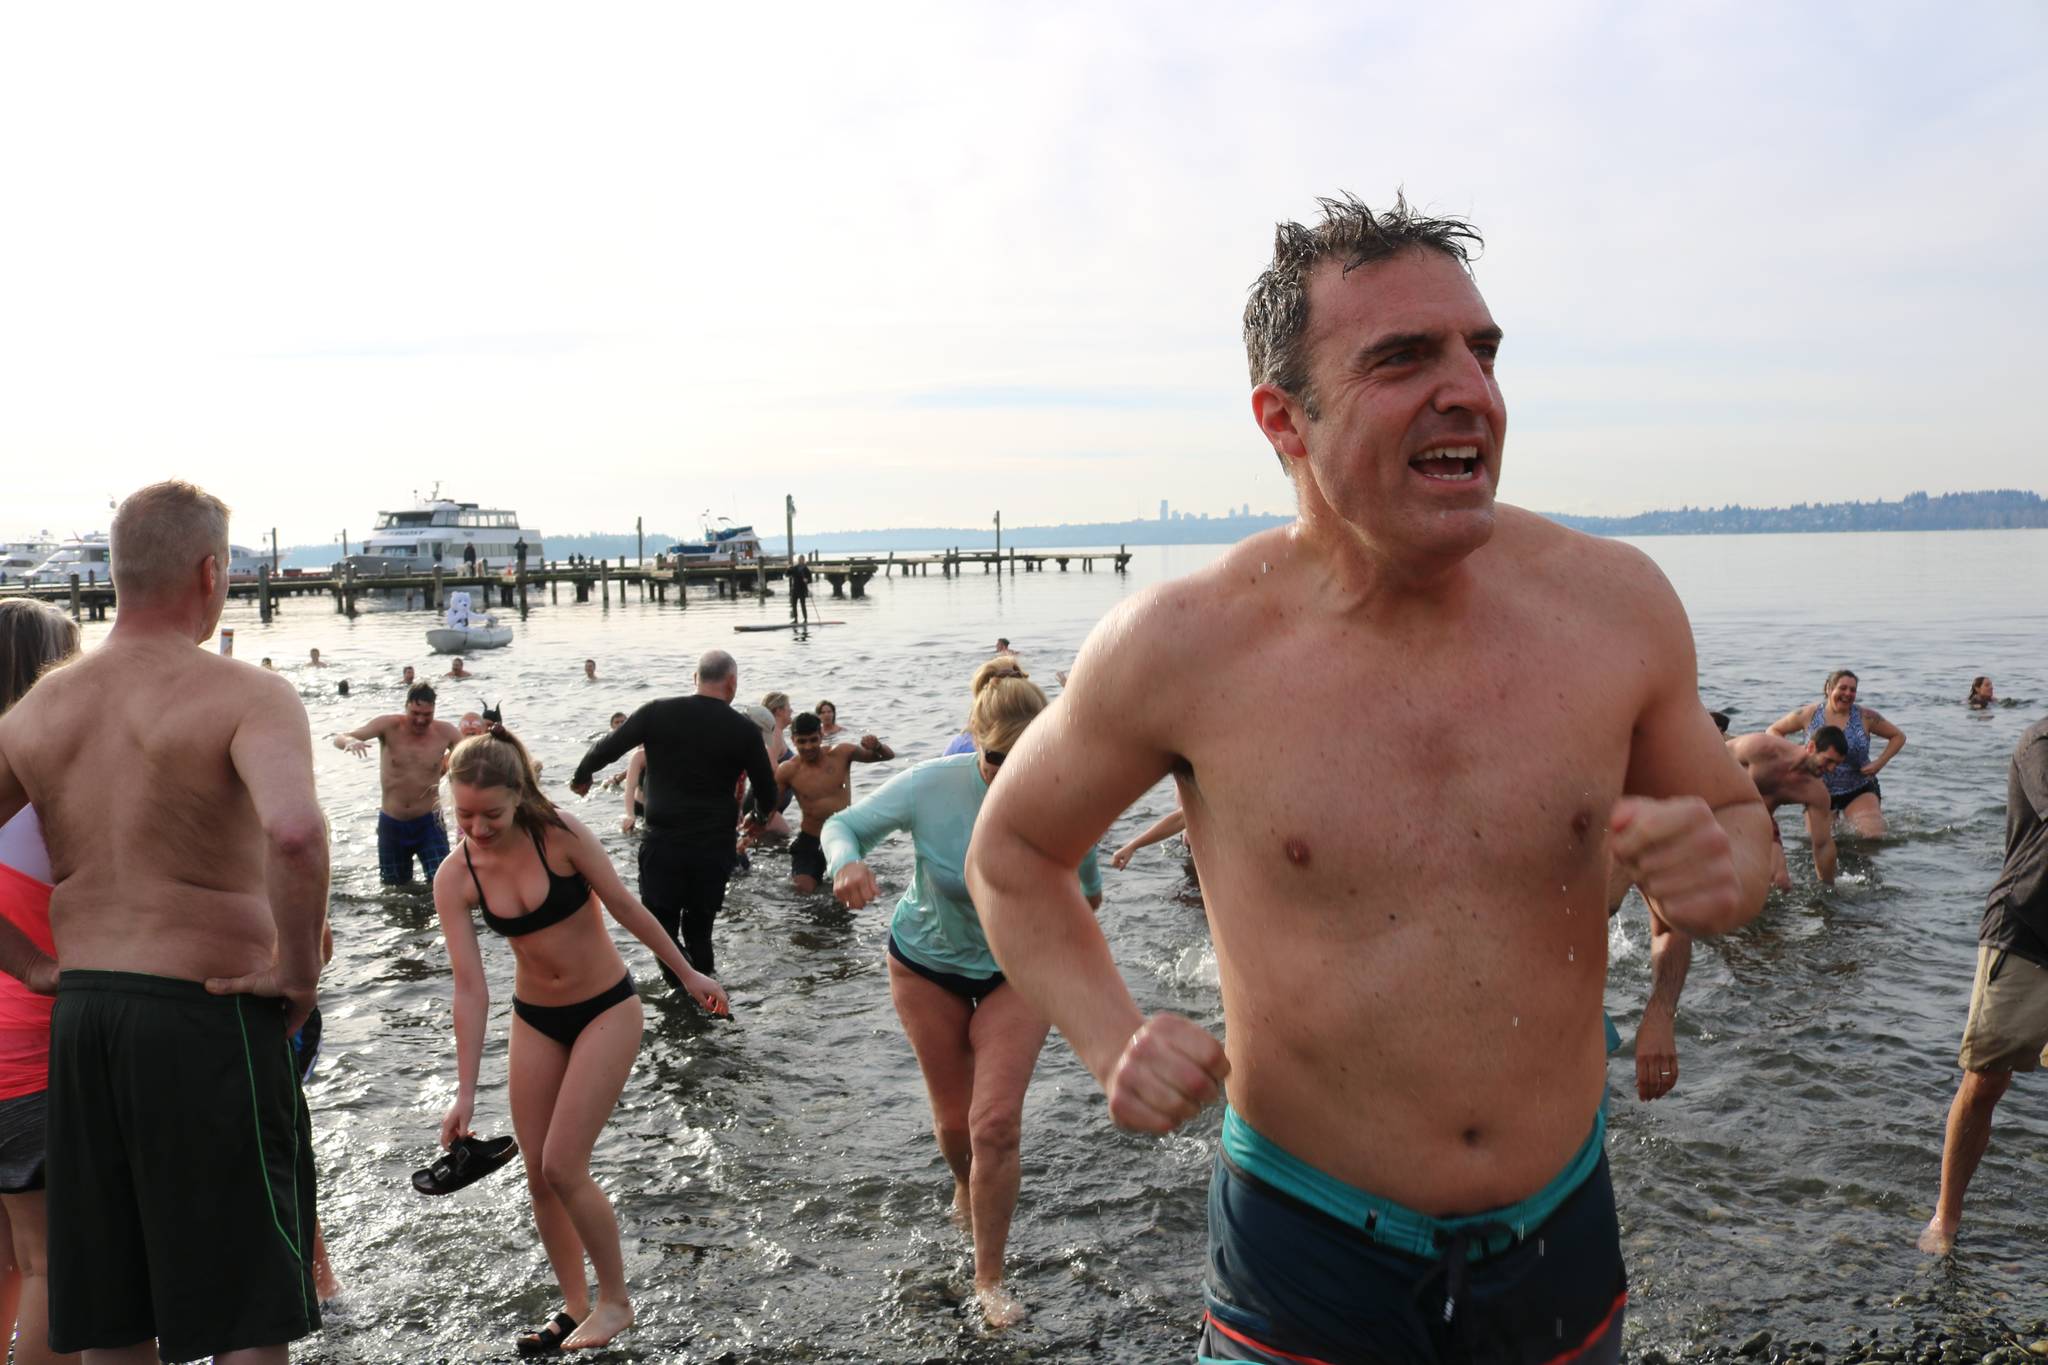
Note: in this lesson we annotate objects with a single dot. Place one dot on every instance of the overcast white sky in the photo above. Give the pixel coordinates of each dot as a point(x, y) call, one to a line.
point(917, 262)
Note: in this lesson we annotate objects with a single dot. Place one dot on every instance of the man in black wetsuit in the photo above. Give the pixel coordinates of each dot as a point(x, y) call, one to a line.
point(800, 590)
point(698, 748)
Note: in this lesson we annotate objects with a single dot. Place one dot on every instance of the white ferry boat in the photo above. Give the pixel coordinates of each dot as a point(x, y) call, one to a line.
point(89, 556)
point(726, 544)
point(20, 558)
point(438, 531)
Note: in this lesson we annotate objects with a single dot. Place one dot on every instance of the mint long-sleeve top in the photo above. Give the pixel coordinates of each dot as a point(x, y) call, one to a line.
point(935, 924)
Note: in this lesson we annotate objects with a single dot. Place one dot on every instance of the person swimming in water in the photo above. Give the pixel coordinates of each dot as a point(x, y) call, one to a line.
point(1981, 695)
point(576, 1015)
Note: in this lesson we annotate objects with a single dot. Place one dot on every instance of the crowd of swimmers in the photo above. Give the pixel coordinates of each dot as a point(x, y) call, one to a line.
point(1413, 1170)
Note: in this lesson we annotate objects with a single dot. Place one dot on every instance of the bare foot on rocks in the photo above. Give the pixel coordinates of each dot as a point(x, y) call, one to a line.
point(1936, 1239)
point(999, 1307)
point(606, 1321)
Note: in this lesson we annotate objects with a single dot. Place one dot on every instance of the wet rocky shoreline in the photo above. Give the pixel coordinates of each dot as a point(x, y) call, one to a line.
point(1991, 1341)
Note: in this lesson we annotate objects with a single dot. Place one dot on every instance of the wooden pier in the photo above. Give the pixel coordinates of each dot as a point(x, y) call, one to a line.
point(662, 579)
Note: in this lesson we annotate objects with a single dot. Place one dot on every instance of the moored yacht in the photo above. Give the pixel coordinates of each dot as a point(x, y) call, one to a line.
point(727, 544)
point(437, 531)
point(20, 558)
point(89, 556)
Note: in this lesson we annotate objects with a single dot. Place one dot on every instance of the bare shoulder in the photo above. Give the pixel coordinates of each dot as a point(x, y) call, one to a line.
point(452, 884)
point(1596, 569)
point(1190, 616)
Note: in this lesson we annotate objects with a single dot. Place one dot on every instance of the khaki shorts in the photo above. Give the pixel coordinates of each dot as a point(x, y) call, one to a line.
point(2008, 1028)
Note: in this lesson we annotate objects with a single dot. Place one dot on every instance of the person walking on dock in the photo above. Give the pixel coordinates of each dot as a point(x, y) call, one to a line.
point(2008, 1024)
point(412, 752)
point(698, 748)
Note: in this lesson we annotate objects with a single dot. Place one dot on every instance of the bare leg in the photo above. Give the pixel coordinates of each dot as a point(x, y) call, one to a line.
point(31, 1254)
point(1781, 874)
point(1007, 1035)
point(10, 1279)
point(598, 1067)
point(1969, 1133)
point(1866, 816)
point(936, 1022)
point(141, 1353)
point(537, 1065)
point(326, 1284)
point(803, 885)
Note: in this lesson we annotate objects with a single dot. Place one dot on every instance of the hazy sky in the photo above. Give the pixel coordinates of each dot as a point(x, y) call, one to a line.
point(915, 263)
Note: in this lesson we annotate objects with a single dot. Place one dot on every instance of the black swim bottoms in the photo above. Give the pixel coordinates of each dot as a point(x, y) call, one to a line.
point(564, 1022)
point(807, 857)
point(972, 989)
point(180, 1170)
point(24, 1137)
point(1839, 800)
point(1344, 1278)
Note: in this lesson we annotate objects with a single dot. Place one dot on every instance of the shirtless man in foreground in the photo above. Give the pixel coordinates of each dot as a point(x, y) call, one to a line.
point(190, 896)
point(412, 754)
point(1412, 1163)
point(821, 775)
point(1789, 774)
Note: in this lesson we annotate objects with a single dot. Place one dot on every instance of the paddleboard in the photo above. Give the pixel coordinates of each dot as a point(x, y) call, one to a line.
point(787, 625)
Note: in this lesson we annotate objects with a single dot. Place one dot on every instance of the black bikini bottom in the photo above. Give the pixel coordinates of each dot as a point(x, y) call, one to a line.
point(563, 1022)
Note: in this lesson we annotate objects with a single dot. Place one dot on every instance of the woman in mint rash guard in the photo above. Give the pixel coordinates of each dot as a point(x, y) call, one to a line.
point(1853, 790)
point(538, 876)
point(976, 1039)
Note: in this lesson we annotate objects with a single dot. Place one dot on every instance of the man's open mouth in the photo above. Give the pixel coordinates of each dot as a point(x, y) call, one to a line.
point(1448, 464)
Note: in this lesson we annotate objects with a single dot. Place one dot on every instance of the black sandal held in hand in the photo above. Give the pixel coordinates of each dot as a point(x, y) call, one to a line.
point(548, 1340)
point(467, 1161)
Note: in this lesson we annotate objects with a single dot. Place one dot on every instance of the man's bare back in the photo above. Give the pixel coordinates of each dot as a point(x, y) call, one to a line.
point(154, 766)
point(1778, 768)
point(1787, 773)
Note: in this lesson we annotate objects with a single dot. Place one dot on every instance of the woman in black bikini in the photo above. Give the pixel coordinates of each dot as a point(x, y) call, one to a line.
point(576, 1015)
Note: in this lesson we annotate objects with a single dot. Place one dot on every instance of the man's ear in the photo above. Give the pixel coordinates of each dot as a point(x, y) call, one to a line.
point(1283, 420)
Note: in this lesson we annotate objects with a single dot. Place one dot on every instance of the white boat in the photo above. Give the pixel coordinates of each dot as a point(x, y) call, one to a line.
point(436, 531)
point(89, 556)
point(463, 639)
point(727, 544)
point(20, 558)
point(243, 563)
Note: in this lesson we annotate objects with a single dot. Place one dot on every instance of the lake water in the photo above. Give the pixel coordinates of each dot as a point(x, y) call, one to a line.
point(777, 1184)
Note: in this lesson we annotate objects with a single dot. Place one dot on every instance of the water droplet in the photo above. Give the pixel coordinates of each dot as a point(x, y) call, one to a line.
point(1518, 1021)
point(1571, 955)
point(1264, 567)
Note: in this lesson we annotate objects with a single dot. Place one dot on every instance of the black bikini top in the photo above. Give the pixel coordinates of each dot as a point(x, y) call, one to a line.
point(566, 895)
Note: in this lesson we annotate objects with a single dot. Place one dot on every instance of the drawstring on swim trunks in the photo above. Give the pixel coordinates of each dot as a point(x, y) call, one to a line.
point(1452, 1265)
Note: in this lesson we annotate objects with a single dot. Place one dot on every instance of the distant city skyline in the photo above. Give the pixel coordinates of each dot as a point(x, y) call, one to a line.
point(963, 260)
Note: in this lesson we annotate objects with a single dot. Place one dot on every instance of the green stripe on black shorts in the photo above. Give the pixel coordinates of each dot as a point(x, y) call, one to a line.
point(180, 1170)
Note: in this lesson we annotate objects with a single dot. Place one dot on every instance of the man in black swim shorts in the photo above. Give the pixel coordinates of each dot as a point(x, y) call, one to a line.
point(821, 775)
point(181, 1207)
